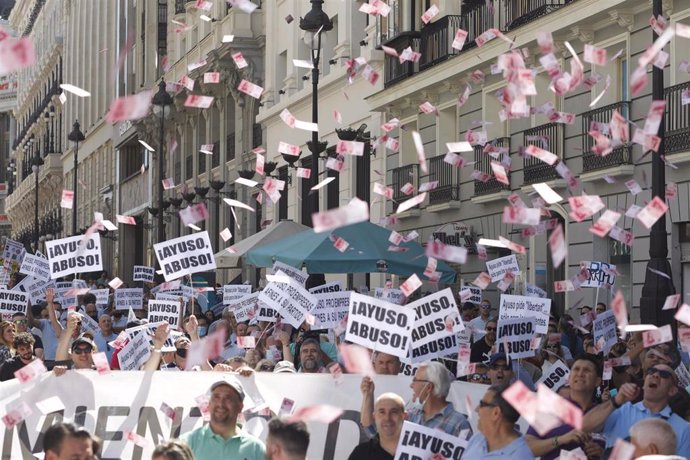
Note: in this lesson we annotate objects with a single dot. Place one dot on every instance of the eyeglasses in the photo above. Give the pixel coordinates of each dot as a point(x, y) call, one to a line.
point(82, 350)
point(20, 321)
point(501, 367)
point(420, 380)
point(483, 403)
point(664, 374)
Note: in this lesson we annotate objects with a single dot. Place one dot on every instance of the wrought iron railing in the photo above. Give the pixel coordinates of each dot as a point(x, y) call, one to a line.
point(394, 71)
point(483, 164)
point(516, 13)
point(179, 6)
point(620, 155)
point(548, 137)
point(677, 120)
point(448, 177)
point(230, 146)
point(401, 176)
point(476, 19)
point(437, 39)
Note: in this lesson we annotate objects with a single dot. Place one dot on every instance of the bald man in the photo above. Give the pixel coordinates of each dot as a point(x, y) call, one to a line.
point(389, 415)
point(653, 436)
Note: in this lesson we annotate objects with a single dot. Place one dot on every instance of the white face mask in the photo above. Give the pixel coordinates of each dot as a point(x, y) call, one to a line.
point(415, 403)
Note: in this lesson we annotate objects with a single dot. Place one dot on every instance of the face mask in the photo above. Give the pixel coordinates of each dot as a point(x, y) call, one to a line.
point(416, 404)
point(201, 330)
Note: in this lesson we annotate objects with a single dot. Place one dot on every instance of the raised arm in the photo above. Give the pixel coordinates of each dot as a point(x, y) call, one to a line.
point(62, 353)
point(366, 416)
point(191, 328)
point(594, 419)
point(159, 338)
point(52, 315)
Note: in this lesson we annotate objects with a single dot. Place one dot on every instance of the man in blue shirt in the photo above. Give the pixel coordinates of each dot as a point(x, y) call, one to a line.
point(497, 438)
point(619, 414)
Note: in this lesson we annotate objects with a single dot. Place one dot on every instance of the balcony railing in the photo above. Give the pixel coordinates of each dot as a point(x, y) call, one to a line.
point(230, 146)
point(677, 120)
point(517, 13)
point(620, 155)
point(394, 71)
point(548, 137)
point(179, 6)
point(401, 176)
point(437, 39)
point(448, 177)
point(483, 164)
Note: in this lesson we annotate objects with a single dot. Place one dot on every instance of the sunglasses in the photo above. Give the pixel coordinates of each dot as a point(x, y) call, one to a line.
point(486, 404)
point(21, 321)
point(82, 350)
point(501, 367)
point(490, 329)
point(266, 367)
point(661, 372)
point(181, 352)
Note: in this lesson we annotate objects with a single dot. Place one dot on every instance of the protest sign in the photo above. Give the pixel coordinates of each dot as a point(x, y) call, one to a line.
point(475, 294)
point(555, 376)
point(129, 298)
point(436, 325)
point(36, 267)
point(534, 291)
point(135, 353)
point(264, 311)
point(391, 295)
point(516, 334)
point(99, 404)
point(330, 309)
point(379, 325)
point(88, 324)
point(498, 268)
point(164, 310)
point(420, 442)
point(12, 254)
point(601, 274)
point(245, 308)
point(12, 302)
point(294, 273)
point(517, 306)
point(101, 296)
point(35, 288)
point(143, 273)
point(335, 286)
point(604, 330)
point(290, 300)
point(185, 255)
point(75, 254)
point(232, 292)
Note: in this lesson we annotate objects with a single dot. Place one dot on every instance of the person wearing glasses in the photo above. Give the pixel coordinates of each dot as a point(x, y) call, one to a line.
point(616, 416)
point(478, 324)
point(80, 350)
point(481, 349)
point(497, 437)
point(21, 324)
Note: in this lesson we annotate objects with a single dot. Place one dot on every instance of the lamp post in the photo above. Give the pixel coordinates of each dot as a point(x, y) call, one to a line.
point(315, 23)
point(162, 102)
point(75, 136)
point(656, 288)
point(35, 165)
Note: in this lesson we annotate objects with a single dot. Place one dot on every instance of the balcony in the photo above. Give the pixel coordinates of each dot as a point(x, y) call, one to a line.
point(401, 176)
point(677, 120)
point(437, 39)
point(549, 137)
point(179, 6)
point(619, 156)
point(394, 71)
point(483, 164)
point(134, 192)
point(448, 177)
point(516, 13)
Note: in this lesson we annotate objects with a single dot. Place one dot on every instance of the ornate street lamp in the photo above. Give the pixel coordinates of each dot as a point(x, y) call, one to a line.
point(75, 136)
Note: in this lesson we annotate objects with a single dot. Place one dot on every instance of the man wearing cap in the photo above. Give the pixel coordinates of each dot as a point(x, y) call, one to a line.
point(81, 348)
point(223, 438)
point(284, 367)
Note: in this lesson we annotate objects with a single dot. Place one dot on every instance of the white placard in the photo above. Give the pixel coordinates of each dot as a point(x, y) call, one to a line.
point(517, 306)
point(143, 273)
point(294, 273)
point(233, 292)
point(290, 300)
point(604, 329)
point(335, 286)
point(12, 302)
point(74, 255)
point(534, 291)
point(555, 376)
point(245, 308)
point(517, 334)
point(601, 274)
point(476, 294)
point(330, 309)
point(185, 255)
point(129, 298)
point(102, 296)
point(391, 295)
point(164, 310)
point(379, 325)
point(36, 267)
point(497, 268)
point(420, 442)
point(436, 326)
point(135, 353)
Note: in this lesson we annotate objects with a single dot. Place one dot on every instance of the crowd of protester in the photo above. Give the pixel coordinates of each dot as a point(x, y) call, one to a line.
point(642, 402)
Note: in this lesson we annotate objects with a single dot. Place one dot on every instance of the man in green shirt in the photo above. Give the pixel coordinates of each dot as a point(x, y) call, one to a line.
point(222, 437)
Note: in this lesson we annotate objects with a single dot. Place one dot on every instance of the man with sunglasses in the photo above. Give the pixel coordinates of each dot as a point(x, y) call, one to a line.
point(617, 415)
point(481, 349)
point(81, 347)
point(21, 324)
point(478, 324)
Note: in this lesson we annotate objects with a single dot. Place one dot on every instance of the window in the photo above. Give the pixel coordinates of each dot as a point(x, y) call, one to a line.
point(283, 203)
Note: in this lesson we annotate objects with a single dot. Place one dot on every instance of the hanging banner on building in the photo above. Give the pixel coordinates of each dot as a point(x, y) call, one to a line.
point(335, 286)
point(164, 310)
point(601, 274)
point(391, 295)
point(420, 442)
point(555, 376)
point(498, 268)
point(330, 309)
point(517, 306)
point(129, 298)
point(36, 267)
point(516, 334)
point(12, 302)
point(436, 326)
point(294, 273)
point(75, 254)
point(604, 330)
point(185, 255)
point(233, 292)
point(379, 325)
point(143, 273)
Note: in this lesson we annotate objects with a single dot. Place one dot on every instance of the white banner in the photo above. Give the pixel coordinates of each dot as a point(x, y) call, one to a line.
point(517, 306)
point(119, 402)
point(498, 268)
point(601, 274)
point(232, 292)
point(395, 296)
point(12, 302)
point(379, 325)
point(335, 286)
point(129, 297)
point(185, 255)
point(555, 376)
point(436, 325)
point(330, 309)
point(294, 273)
point(143, 273)
point(604, 330)
point(516, 334)
point(420, 442)
point(102, 296)
point(36, 267)
point(74, 255)
point(164, 310)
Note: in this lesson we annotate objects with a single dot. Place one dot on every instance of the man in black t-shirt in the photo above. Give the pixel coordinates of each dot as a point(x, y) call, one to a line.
point(481, 349)
point(21, 324)
point(389, 415)
point(24, 344)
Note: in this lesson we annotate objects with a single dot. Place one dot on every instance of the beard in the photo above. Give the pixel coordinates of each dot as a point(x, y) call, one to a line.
point(310, 365)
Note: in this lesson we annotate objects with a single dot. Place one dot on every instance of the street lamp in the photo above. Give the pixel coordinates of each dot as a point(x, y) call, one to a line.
point(656, 288)
point(36, 163)
point(315, 23)
point(161, 102)
point(75, 136)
